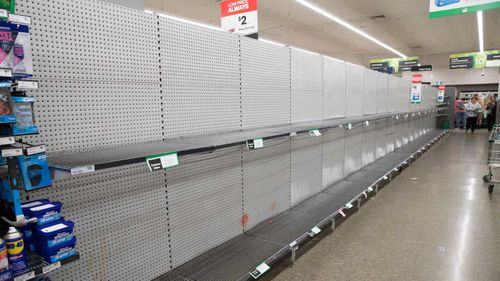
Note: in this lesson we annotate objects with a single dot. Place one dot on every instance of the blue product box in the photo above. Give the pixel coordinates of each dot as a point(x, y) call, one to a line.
point(60, 252)
point(7, 275)
point(25, 120)
point(34, 171)
point(46, 213)
point(55, 234)
point(6, 112)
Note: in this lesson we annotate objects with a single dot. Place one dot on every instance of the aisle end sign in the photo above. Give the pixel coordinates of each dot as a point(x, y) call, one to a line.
point(440, 96)
point(239, 16)
point(416, 88)
point(444, 8)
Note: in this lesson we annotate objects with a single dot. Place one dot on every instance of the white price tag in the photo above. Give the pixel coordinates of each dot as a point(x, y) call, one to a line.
point(348, 205)
point(19, 19)
point(7, 140)
point(255, 144)
point(27, 85)
point(4, 13)
point(36, 150)
point(12, 152)
point(259, 270)
point(5, 72)
point(51, 267)
point(25, 277)
point(293, 134)
point(293, 244)
point(162, 161)
point(367, 123)
point(316, 230)
point(314, 133)
point(82, 170)
point(370, 189)
point(349, 126)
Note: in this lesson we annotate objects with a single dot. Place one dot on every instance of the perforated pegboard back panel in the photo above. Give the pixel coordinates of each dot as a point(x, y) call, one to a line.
point(306, 167)
point(382, 80)
point(354, 90)
point(266, 181)
point(265, 84)
point(390, 135)
point(333, 156)
point(392, 93)
point(88, 115)
point(204, 202)
point(200, 79)
point(368, 145)
point(404, 92)
point(370, 91)
point(307, 86)
point(334, 87)
point(118, 214)
point(353, 150)
point(380, 138)
point(91, 40)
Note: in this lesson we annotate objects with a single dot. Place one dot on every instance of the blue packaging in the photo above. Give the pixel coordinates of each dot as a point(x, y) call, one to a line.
point(7, 275)
point(25, 121)
point(27, 205)
point(61, 252)
point(46, 213)
point(34, 171)
point(53, 235)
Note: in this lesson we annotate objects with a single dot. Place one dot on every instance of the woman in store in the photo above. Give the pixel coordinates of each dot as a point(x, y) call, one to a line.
point(472, 109)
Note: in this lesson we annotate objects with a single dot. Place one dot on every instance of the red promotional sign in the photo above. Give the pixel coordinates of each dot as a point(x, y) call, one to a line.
point(417, 78)
point(239, 16)
point(441, 87)
point(233, 7)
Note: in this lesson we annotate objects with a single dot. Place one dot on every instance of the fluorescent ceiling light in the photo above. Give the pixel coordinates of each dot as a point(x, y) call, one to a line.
point(480, 30)
point(271, 42)
point(348, 25)
point(186, 21)
point(305, 51)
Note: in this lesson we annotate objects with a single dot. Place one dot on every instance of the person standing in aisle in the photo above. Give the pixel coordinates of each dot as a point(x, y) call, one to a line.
point(472, 109)
point(492, 112)
point(459, 113)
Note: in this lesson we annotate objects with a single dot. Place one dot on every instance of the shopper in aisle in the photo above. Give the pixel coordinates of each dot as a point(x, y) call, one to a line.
point(472, 109)
point(459, 113)
point(492, 112)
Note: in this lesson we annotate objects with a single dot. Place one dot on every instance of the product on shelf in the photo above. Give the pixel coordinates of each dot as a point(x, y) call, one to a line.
point(9, 5)
point(8, 36)
point(4, 260)
point(46, 213)
point(16, 251)
point(25, 120)
point(59, 253)
point(21, 54)
point(6, 112)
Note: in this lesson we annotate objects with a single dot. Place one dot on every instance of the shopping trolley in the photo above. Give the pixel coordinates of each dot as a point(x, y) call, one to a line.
point(493, 157)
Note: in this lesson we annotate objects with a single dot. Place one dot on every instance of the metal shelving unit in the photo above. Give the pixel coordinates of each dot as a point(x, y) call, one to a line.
point(65, 165)
point(278, 239)
point(37, 266)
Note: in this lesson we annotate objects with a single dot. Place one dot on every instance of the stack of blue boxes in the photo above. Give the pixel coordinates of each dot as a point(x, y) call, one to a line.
point(51, 237)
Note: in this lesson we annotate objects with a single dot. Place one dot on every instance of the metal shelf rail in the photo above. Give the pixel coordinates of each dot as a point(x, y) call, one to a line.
point(65, 165)
point(258, 251)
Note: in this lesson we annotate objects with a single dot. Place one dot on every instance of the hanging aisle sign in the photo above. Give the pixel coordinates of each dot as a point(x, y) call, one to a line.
point(444, 8)
point(416, 88)
point(239, 16)
point(440, 96)
point(475, 60)
point(394, 65)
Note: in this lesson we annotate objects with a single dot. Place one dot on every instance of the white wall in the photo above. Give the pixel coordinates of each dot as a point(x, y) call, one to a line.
point(136, 4)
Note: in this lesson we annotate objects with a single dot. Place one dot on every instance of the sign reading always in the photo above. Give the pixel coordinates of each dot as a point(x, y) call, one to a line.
point(444, 8)
point(416, 88)
point(239, 16)
point(418, 68)
point(398, 65)
point(475, 60)
point(440, 96)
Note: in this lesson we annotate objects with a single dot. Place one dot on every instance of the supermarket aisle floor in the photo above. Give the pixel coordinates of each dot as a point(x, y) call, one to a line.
point(442, 227)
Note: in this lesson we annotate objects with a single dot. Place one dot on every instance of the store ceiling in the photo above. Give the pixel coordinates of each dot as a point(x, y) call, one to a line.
point(402, 24)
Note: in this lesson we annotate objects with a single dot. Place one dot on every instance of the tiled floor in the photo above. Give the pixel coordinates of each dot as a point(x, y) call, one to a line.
point(441, 226)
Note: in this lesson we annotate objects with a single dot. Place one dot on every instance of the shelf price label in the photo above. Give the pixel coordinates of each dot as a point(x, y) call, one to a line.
point(314, 133)
point(7, 140)
point(255, 144)
point(28, 276)
point(314, 231)
point(82, 170)
point(259, 270)
point(27, 85)
point(20, 19)
point(12, 152)
point(162, 161)
point(51, 267)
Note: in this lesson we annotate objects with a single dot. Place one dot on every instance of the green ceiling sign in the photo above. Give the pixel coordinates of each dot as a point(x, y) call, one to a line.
point(397, 64)
point(475, 60)
point(444, 8)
